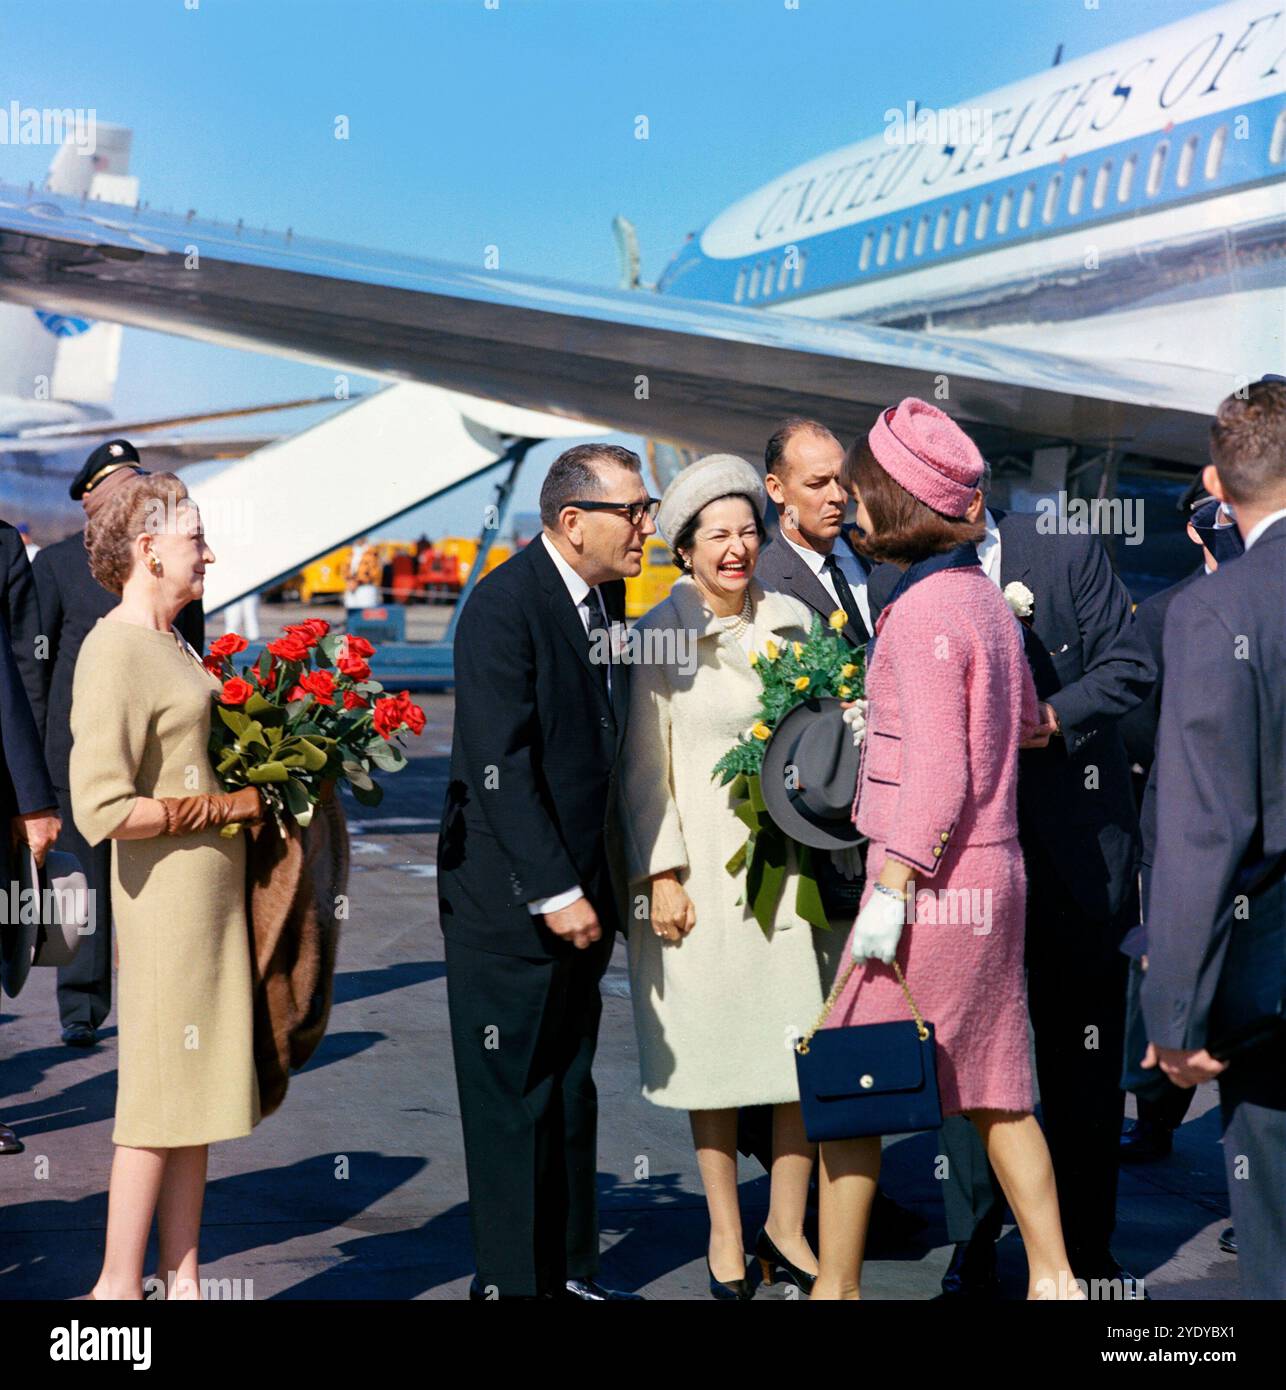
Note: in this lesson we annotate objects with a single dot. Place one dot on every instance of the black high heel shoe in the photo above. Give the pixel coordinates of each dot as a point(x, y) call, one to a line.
point(771, 1260)
point(736, 1290)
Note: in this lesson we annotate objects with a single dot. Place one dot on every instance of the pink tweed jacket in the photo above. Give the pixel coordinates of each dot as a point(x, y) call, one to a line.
point(951, 695)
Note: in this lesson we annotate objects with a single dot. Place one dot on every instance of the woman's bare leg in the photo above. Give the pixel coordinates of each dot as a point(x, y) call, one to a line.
point(792, 1169)
point(131, 1202)
point(850, 1169)
point(714, 1132)
point(1018, 1152)
point(178, 1221)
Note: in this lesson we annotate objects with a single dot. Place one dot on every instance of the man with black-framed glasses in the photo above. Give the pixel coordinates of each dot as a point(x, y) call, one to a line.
point(530, 888)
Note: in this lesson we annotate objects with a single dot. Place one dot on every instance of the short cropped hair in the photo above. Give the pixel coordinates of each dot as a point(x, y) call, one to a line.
point(572, 475)
point(110, 533)
point(903, 527)
point(775, 452)
point(1248, 443)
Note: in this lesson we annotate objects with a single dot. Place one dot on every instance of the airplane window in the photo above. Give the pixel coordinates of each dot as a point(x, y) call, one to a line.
point(1127, 178)
point(799, 268)
point(1077, 195)
point(1156, 168)
point(769, 276)
point(962, 225)
point(1102, 182)
point(1214, 154)
point(882, 255)
point(1187, 158)
point(754, 283)
point(1278, 145)
point(1025, 207)
point(1052, 192)
point(740, 292)
point(904, 235)
point(922, 235)
point(864, 260)
point(1004, 212)
point(984, 217)
point(940, 231)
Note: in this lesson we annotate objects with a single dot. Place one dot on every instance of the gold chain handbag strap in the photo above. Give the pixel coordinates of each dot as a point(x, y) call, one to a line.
point(838, 988)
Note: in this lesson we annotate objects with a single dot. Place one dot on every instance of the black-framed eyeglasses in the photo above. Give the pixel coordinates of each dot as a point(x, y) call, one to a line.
point(635, 511)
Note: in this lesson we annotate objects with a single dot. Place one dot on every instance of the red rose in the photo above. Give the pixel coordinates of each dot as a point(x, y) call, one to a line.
point(297, 693)
point(387, 717)
point(214, 665)
point(354, 667)
point(268, 682)
point(318, 626)
point(301, 632)
point(228, 645)
point(289, 648)
point(320, 685)
point(412, 714)
point(358, 646)
point(236, 691)
point(352, 700)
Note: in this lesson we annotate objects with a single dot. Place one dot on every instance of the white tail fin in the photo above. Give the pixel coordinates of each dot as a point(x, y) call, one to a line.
point(50, 356)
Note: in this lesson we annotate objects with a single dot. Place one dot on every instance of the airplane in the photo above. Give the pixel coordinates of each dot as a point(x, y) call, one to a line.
point(1078, 267)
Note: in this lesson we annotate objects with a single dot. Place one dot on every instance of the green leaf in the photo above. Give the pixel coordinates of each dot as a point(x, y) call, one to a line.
point(388, 758)
point(356, 774)
point(264, 710)
point(234, 719)
point(314, 757)
point(370, 795)
point(267, 772)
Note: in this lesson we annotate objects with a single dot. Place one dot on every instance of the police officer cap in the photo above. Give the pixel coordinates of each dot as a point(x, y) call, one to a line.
point(106, 456)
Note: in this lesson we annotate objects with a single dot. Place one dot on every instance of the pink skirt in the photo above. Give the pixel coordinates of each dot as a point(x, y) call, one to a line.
point(962, 956)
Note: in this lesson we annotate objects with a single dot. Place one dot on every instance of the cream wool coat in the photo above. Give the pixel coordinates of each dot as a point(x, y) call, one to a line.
point(715, 1013)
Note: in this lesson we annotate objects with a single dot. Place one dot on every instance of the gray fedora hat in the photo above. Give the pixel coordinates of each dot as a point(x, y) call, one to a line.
point(809, 775)
point(53, 910)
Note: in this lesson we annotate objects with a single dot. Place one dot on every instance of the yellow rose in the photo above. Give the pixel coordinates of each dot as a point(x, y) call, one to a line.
point(761, 730)
point(837, 620)
point(798, 649)
point(771, 650)
point(844, 692)
point(754, 658)
point(802, 683)
point(848, 670)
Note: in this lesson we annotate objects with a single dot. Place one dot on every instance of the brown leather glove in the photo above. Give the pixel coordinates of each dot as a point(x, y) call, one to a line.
point(185, 815)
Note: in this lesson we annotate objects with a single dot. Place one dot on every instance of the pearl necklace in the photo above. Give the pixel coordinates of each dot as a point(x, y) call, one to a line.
point(737, 625)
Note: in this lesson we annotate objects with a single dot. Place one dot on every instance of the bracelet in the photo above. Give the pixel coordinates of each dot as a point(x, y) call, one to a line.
point(890, 892)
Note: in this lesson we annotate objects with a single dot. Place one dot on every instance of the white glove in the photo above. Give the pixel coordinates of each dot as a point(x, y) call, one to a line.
point(849, 861)
point(879, 928)
point(855, 718)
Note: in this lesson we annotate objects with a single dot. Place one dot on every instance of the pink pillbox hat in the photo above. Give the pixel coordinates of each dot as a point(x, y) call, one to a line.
point(925, 451)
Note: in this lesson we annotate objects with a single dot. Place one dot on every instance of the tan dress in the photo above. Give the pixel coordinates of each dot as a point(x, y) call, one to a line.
point(140, 721)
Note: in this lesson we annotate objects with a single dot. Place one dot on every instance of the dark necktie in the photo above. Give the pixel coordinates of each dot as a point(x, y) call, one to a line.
point(599, 635)
point(847, 601)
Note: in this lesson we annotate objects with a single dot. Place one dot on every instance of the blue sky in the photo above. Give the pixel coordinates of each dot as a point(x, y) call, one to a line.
point(510, 126)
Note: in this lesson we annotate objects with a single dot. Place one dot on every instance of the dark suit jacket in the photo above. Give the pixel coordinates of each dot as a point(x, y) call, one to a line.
point(21, 611)
point(1091, 666)
point(24, 781)
point(782, 571)
point(71, 602)
point(1221, 798)
point(529, 808)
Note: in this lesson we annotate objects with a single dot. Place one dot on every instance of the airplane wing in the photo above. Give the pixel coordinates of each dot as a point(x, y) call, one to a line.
point(708, 375)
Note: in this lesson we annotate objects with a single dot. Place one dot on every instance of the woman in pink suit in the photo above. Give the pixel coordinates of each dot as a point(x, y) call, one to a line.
point(949, 697)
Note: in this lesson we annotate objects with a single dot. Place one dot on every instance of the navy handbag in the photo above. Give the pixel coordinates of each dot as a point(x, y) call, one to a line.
point(874, 1078)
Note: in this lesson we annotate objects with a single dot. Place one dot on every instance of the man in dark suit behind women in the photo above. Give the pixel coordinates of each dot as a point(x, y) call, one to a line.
point(1212, 996)
point(1080, 840)
point(71, 601)
point(529, 872)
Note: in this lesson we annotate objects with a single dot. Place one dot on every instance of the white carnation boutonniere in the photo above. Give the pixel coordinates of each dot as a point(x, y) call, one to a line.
point(1021, 600)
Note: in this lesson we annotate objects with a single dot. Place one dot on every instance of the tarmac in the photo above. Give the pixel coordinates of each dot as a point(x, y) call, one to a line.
point(356, 1188)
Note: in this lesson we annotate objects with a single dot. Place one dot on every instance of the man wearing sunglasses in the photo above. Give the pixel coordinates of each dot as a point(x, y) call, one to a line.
point(530, 889)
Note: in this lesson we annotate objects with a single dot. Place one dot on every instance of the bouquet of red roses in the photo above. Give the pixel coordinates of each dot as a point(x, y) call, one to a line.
point(307, 712)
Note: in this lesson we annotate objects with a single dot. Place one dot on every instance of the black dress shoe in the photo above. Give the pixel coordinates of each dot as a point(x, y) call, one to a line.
point(771, 1260)
point(590, 1291)
point(79, 1035)
point(1104, 1266)
point(1228, 1240)
point(735, 1290)
point(1146, 1141)
point(9, 1141)
point(972, 1271)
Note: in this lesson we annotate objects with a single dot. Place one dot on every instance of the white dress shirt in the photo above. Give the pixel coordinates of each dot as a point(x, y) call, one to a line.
point(1260, 527)
point(989, 549)
point(850, 567)
point(579, 591)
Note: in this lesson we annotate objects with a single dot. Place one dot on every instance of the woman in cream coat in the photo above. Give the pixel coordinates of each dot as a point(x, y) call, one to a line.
point(717, 1002)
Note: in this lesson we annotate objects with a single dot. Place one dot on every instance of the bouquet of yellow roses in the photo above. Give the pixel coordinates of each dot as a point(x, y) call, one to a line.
point(823, 665)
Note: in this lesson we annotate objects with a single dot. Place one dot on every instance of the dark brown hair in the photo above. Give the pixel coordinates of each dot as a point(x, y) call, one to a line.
point(905, 529)
point(110, 534)
point(572, 474)
point(1248, 443)
point(687, 537)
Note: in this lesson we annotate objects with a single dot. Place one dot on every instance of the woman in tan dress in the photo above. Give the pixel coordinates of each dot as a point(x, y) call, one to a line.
point(141, 776)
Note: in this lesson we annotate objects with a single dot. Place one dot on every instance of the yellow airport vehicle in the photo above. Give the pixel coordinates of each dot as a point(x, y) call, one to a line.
point(653, 581)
